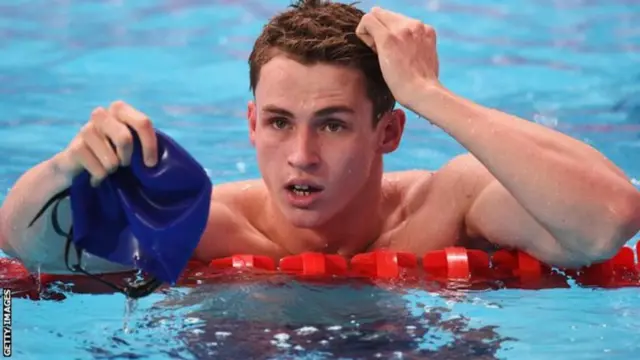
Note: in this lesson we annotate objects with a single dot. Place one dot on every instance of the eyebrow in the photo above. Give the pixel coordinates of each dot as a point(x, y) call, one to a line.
point(322, 112)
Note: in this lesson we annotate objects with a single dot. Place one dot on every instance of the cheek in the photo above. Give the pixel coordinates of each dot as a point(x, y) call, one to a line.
point(352, 166)
point(267, 154)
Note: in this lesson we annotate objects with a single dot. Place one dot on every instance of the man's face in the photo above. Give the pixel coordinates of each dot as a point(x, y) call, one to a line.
point(315, 142)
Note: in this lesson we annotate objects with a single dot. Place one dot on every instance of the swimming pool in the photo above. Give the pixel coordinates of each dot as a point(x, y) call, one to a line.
point(573, 65)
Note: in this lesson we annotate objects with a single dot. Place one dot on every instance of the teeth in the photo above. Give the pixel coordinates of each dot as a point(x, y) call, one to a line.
point(301, 190)
point(301, 193)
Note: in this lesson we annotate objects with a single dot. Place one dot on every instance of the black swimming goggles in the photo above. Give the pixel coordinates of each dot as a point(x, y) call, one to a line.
point(134, 290)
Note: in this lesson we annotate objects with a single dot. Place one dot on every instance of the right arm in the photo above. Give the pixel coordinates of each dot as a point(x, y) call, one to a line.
point(104, 144)
point(37, 244)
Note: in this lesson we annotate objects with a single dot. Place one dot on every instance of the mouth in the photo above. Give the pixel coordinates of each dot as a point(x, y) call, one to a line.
point(303, 189)
point(303, 194)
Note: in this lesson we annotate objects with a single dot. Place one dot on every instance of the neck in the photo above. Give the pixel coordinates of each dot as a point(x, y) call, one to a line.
point(350, 231)
point(355, 227)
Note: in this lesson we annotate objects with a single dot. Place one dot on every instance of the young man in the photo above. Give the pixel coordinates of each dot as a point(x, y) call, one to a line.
point(325, 78)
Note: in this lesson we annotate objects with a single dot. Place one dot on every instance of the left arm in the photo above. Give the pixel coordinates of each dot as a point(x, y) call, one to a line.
point(583, 201)
point(547, 193)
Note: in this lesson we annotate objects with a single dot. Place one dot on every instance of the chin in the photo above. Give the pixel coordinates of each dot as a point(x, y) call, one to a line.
point(316, 216)
point(304, 218)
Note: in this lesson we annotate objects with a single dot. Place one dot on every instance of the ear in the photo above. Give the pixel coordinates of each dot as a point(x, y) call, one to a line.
point(252, 118)
point(391, 129)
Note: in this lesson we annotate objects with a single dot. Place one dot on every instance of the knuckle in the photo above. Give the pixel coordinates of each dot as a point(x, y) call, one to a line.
point(75, 148)
point(371, 16)
point(144, 123)
point(97, 111)
point(86, 129)
point(404, 32)
point(118, 104)
point(97, 114)
point(429, 30)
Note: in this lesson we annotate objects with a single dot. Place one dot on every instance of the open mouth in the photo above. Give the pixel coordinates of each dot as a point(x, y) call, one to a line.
point(303, 190)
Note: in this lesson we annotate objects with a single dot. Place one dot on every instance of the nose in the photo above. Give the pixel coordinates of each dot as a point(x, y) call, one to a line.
point(304, 153)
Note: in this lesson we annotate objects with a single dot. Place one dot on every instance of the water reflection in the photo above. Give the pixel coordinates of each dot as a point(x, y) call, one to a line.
point(285, 317)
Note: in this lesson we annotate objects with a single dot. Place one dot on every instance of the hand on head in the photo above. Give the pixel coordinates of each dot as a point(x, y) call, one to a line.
point(406, 51)
point(105, 142)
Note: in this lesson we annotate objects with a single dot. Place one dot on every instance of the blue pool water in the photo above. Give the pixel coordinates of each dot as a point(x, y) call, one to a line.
point(573, 65)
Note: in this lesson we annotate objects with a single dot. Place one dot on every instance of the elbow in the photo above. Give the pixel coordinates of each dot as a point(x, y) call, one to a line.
point(8, 233)
point(5, 246)
point(627, 217)
point(622, 224)
point(3, 229)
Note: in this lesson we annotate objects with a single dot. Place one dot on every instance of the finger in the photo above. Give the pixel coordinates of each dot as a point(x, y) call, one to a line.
point(142, 126)
point(81, 153)
point(118, 136)
point(97, 143)
point(371, 31)
point(388, 18)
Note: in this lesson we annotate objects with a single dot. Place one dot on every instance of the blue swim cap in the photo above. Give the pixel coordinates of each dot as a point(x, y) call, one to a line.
point(148, 218)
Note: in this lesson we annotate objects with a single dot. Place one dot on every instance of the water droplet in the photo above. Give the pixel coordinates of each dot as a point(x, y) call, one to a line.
point(38, 282)
point(546, 120)
point(129, 308)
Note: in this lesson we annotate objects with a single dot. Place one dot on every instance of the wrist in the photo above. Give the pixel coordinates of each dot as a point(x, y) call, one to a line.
point(63, 168)
point(425, 97)
point(443, 108)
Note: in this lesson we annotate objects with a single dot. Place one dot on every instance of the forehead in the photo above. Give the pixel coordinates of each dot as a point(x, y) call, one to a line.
point(288, 83)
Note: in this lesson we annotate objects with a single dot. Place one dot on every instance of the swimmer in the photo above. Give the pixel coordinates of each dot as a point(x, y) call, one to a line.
point(326, 78)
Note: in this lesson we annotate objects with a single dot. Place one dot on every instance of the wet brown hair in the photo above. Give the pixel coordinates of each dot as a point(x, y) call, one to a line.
point(321, 31)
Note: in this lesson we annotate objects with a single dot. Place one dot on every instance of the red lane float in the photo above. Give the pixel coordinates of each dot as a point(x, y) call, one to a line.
point(456, 264)
point(314, 264)
point(14, 276)
point(243, 261)
point(620, 271)
point(453, 264)
point(383, 264)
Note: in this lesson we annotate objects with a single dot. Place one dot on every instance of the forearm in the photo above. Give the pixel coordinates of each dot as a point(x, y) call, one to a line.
point(37, 244)
point(23, 202)
point(567, 186)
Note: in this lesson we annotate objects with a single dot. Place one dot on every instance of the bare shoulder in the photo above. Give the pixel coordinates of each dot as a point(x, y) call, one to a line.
point(244, 199)
point(463, 177)
point(428, 208)
point(230, 228)
point(240, 196)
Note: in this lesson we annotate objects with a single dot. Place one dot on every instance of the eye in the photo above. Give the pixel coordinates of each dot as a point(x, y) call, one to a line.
point(279, 123)
point(334, 125)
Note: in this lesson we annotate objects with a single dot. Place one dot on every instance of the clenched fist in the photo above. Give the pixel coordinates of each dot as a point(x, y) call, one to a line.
point(406, 51)
point(105, 142)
